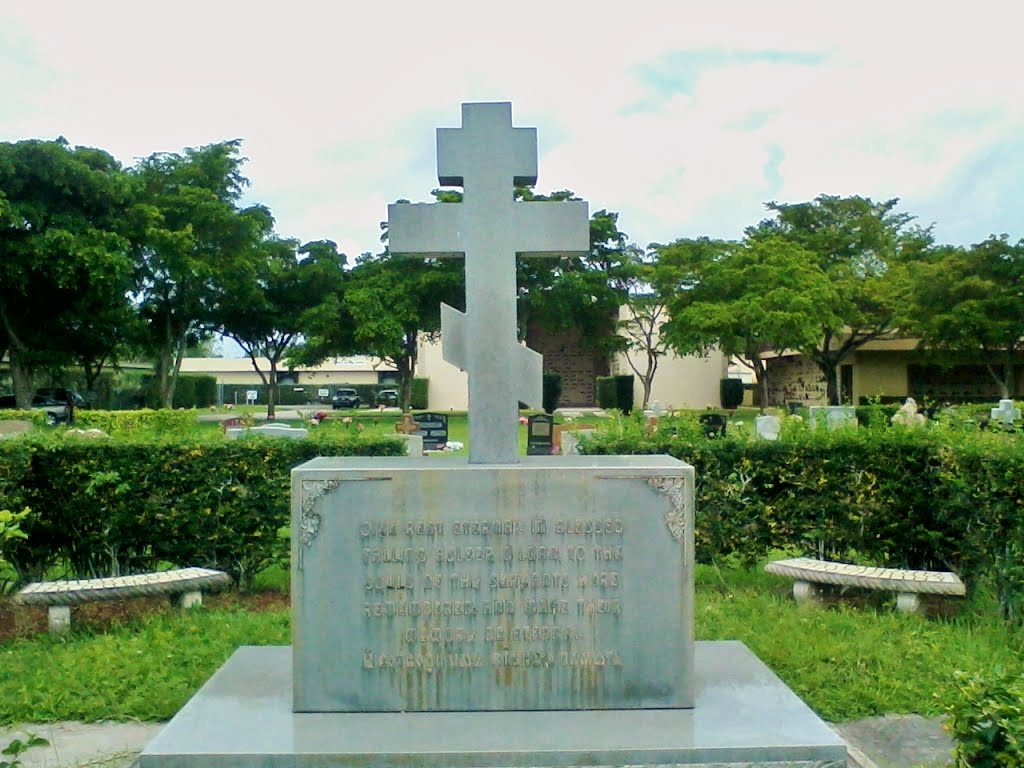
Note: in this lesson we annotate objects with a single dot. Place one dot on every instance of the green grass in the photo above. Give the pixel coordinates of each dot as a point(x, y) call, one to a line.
point(846, 663)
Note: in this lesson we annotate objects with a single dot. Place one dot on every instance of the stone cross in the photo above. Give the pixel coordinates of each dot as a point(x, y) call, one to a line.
point(487, 157)
point(1007, 413)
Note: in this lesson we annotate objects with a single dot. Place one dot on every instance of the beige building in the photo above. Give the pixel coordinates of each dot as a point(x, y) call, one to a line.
point(357, 369)
point(681, 382)
point(890, 369)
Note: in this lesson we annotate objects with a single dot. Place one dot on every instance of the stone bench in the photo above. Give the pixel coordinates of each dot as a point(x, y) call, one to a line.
point(908, 585)
point(59, 596)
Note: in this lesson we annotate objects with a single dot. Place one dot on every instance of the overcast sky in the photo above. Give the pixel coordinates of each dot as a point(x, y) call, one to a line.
point(684, 117)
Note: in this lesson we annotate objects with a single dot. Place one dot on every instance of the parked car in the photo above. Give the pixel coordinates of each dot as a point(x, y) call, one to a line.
point(57, 411)
point(387, 397)
point(345, 398)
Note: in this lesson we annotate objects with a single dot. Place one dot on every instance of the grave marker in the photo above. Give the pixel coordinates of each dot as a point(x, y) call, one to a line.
point(540, 434)
point(493, 612)
point(487, 156)
point(1007, 413)
point(434, 428)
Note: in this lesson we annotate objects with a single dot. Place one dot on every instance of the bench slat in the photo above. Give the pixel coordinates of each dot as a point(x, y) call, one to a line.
point(76, 591)
point(895, 579)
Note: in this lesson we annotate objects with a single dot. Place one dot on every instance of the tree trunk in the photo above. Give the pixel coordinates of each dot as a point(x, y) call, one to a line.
point(406, 370)
point(831, 370)
point(272, 391)
point(762, 381)
point(21, 376)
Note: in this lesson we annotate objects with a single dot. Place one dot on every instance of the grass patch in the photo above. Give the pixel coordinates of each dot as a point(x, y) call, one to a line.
point(846, 663)
point(143, 670)
point(850, 662)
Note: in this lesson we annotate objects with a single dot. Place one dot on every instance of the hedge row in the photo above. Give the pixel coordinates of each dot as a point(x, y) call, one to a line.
point(121, 506)
point(899, 498)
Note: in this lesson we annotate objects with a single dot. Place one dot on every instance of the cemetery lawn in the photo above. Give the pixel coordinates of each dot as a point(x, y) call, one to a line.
point(846, 662)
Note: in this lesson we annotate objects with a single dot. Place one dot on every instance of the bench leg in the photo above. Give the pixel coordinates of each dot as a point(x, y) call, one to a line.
point(806, 593)
point(58, 619)
point(190, 599)
point(908, 602)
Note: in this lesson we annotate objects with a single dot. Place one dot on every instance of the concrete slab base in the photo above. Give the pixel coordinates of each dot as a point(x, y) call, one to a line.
point(744, 716)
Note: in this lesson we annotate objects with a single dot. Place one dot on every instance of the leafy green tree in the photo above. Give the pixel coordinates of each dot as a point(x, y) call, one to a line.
point(190, 243)
point(644, 314)
point(65, 266)
point(289, 291)
point(744, 298)
point(970, 300)
point(865, 249)
point(581, 291)
point(392, 301)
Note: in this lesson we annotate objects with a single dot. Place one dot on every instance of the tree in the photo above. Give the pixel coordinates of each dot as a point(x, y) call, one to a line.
point(581, 291)
point(288, 293)
point(392, 300)
point(64, 256)
point(645, 313)
point(969, 300)
point(192, 240)
point(744, 298)
point(865, 248)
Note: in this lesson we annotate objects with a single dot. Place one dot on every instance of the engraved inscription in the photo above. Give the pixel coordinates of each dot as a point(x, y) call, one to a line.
point(505, 593)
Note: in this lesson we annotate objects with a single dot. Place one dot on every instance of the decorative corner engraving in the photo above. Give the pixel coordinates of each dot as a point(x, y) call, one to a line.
point(675, 489)
point(309, 518)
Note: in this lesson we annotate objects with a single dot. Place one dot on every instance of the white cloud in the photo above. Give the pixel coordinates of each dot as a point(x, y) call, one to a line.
point(684, 119)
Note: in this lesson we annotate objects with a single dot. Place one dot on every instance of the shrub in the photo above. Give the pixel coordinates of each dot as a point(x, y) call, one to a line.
point(924, 499)
point(185, 392)
point(418, 396)
point(607, 394)
point(206, 391)
point(124, 506)
point(730, 392)
point(624, 392)
point(986, 720)
point(125, 423)
point(37, 416)
point(552, 384)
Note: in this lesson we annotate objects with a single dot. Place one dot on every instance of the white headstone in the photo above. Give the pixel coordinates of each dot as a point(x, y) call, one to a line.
point(834, 415)
point(269, 430)
point(767, 427)
point(487, 156)
point(1006, 413)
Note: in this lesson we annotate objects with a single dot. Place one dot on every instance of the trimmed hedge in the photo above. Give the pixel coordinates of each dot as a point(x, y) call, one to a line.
point(730, 393)
point(121, 506)
point(607, 392)
point(37, 415)
point(418, 396)
point(552, 391)
point(624, 392)
point(132, 422)
point(900, 497)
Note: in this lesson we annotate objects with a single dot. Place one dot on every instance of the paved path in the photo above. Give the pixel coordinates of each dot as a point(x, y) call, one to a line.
point(892, 741)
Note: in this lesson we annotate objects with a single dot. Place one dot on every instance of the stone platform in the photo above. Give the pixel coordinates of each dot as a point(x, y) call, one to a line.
point(744, 716)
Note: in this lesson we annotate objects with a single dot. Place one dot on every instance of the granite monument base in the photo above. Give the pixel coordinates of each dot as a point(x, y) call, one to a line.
point(744, 716)
point(436, 585)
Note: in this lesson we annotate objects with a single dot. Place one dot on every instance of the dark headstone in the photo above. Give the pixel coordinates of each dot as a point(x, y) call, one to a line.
point(434, 428)
point(714, 424)
point(540, 435)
